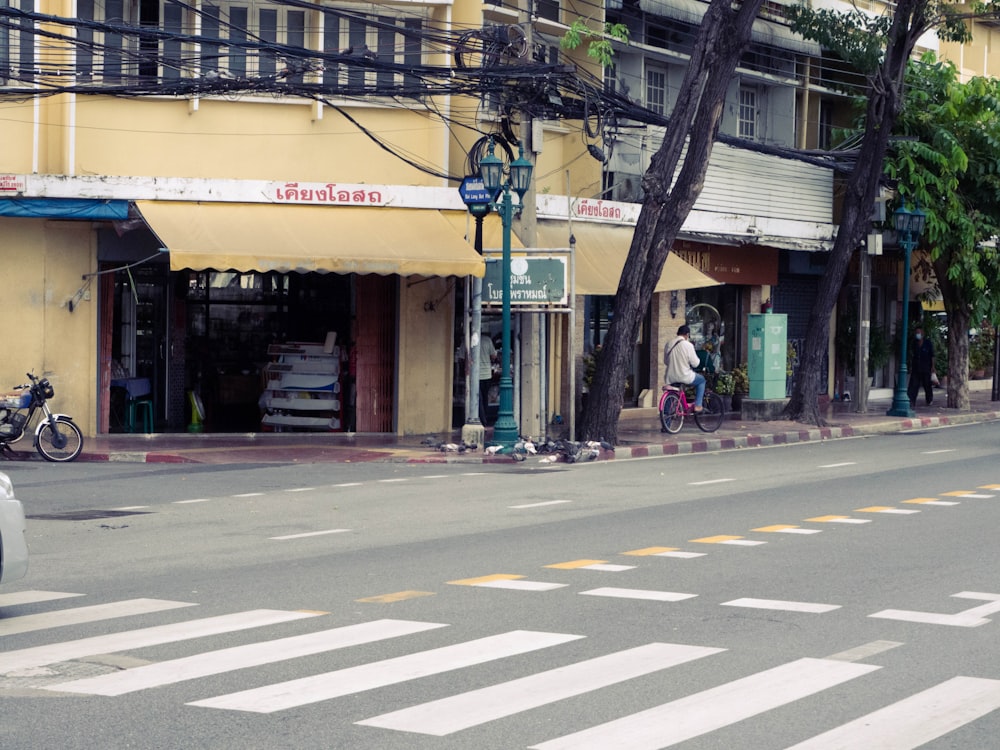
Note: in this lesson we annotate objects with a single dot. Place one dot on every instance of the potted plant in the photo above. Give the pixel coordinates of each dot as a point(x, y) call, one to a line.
point(725, 386)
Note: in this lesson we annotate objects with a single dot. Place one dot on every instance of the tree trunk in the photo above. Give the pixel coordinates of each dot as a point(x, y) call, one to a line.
point(959, 316)
point(884, 103)
point(694, 122)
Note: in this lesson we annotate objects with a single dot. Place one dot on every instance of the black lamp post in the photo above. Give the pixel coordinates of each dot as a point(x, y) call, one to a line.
point(909, 226)
point(505, 431)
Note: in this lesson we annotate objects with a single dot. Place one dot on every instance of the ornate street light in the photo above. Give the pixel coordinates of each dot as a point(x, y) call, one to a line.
point(505, 431)
point(909, 226)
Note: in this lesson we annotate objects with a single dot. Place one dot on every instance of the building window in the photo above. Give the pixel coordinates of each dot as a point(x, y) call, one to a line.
point(656, 90)
point(747, 117)
point(17, 45)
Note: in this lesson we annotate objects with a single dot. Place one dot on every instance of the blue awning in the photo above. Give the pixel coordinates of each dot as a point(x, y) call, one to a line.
point(64, 208)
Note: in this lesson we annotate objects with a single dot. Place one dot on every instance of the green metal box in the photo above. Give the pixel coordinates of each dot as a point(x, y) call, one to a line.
point(768, 357)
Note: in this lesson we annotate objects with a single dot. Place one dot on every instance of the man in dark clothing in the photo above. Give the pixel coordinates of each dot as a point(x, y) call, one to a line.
point(921, 368)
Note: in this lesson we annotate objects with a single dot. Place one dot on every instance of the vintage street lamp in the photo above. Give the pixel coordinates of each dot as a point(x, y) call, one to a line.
point(505, 431)
point(909, 226)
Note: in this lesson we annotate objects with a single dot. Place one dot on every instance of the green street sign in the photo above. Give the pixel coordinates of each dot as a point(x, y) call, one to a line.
point(534, 280)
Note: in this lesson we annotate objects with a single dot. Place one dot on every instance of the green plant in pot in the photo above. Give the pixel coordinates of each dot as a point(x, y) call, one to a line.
point(725, 384)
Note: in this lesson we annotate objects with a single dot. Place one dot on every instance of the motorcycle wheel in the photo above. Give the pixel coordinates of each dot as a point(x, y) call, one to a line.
point(63, 444)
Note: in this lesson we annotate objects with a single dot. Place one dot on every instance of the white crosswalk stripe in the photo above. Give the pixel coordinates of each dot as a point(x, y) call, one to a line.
point(466, 710)
point(323, 687)
point(698, 714)
point(38, 656)
point(916, 720)
point(79, 615)
point(241, 657)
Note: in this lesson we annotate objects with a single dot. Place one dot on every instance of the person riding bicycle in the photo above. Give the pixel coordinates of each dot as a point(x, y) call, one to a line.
point(681, 360)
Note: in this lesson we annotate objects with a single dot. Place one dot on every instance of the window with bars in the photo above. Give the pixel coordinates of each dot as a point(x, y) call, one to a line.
point(747, 114)
point(656, 90)
point(239, 40)
point(17, 45)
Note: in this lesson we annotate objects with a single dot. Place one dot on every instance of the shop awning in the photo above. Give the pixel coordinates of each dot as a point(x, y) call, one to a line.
point(333, 239)
point(601, 250)
point(84, 209)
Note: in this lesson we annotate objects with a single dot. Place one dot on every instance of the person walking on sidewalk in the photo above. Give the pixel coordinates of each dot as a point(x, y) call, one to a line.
point(680, 358)
point(921, 368)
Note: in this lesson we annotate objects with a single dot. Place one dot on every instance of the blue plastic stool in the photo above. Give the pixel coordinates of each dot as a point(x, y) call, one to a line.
point(140, 409)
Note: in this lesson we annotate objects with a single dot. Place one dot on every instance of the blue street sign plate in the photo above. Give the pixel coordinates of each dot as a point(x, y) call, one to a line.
point(474, 192)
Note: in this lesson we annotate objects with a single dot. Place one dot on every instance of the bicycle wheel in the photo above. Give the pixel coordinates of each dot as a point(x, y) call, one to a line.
point(710, 417)
point(63, 444)
point(672, 415)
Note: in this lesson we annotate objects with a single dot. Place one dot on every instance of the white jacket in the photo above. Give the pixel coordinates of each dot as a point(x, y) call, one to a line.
point(680, 358)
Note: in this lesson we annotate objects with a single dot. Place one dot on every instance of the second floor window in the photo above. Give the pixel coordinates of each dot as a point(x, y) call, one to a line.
point(656, 90)
point(747, 115)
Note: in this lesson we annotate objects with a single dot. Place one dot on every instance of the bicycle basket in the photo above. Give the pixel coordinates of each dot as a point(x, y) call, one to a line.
point(19, 400)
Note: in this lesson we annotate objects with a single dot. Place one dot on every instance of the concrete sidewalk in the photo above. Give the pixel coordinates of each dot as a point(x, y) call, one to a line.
point(639, 435)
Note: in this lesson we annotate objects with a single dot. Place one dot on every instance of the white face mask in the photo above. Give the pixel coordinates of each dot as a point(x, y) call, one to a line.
point(919, 336)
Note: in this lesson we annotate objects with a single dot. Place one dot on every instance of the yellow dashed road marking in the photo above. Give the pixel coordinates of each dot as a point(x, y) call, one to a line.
point(990, 487)
point(650, 551)
point(930, 501)
point(485, 579)
point(956, 493)
point(716, 539)
point(396, 597)
point(576, 564)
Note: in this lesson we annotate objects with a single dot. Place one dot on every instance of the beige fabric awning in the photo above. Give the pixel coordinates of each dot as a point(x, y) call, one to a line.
point(601, 250)
point(333, 239)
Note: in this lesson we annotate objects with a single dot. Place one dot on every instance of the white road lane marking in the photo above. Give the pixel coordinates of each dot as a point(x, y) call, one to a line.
point(241, 657)
point(309, 533)
point(657, 596)
point(680, 554)
point(347, 484)
point(129, 640)
point(941, 450)
point(712, 481)
point(449, 715)
point(321, 687)
point(683, 719)
point(132, 507)
point(195, 500)
point(79, 615)
point(248, 494)
point(539, 505)
point(300, 489)
point(837, 466)
point(914, 721)
point(783, 606)
point(969, 618)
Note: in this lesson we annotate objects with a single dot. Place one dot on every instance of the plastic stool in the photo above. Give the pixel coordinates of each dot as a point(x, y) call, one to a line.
point(140, 410)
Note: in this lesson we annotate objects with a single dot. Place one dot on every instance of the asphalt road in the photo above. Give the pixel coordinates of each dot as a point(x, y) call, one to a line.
point(824, 595)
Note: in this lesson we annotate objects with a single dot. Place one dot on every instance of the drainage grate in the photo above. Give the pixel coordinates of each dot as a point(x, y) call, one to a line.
point(84, 515)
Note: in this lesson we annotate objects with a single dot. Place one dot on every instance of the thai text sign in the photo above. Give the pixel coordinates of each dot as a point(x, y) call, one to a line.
point(534, 280)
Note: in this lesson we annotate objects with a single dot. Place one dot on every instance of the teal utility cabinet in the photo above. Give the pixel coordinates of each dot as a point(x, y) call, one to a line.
point(768, 356)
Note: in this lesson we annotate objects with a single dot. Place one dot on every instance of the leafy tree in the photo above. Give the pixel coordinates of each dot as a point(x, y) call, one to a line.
point(879, 48)
point(949, 163)
point(694, 123)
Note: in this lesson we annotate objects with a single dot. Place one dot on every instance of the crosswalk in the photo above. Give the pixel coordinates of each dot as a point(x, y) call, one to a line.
point(924, 714)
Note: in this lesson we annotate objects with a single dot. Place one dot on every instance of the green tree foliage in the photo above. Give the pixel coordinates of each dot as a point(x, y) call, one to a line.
point(599, 45)
point(948, 161)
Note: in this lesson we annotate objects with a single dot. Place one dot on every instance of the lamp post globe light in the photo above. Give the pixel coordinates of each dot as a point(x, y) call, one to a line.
point(909, 226)
point(505, 431)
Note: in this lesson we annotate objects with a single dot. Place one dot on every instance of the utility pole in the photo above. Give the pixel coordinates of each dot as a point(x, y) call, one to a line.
point(532, 418)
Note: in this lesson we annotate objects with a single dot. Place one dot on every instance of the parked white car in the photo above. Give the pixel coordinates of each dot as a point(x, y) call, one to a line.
point(13, 545)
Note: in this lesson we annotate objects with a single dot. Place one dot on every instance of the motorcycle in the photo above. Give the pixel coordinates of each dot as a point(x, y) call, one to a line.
point(57, 438)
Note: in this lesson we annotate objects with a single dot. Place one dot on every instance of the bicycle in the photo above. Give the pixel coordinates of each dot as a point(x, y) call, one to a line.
point(674, 407)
